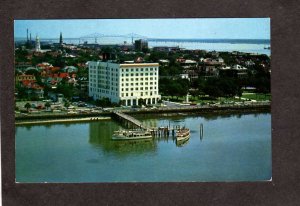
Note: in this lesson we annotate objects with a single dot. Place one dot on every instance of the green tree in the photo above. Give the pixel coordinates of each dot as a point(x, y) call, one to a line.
point(27, 106)
point(66, 89)
point(47, 105)
point(67, 104)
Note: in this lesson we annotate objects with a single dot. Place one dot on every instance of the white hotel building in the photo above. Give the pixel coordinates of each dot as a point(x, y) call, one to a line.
point(125, 83)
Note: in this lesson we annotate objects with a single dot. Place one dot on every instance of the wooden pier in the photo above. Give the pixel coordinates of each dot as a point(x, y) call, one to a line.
point(129, 121)
point(156, 132)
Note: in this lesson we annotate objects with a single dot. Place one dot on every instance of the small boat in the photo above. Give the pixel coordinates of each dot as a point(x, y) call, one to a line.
point(182, 134)
point(131, 135)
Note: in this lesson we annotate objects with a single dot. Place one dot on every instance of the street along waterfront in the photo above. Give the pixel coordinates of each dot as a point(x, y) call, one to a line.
point(234, 147)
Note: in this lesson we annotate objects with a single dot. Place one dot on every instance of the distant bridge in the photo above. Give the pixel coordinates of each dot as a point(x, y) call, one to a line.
point(117, 38)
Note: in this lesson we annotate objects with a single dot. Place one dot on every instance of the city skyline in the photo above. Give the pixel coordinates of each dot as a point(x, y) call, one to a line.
point(183, 28)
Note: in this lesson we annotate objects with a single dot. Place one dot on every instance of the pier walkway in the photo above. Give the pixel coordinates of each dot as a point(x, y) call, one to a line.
point(155, 131)
point(129, 119)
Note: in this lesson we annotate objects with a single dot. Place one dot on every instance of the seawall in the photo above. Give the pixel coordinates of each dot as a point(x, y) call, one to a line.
point(68, 118)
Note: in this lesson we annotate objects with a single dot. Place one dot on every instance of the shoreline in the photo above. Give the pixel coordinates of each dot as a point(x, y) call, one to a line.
point(75, 118)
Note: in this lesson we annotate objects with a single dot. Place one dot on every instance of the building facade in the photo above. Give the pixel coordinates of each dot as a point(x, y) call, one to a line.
point(128, 84)
point(140, 44)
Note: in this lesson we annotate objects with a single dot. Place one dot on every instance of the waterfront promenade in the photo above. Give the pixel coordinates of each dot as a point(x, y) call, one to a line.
point(40, 118)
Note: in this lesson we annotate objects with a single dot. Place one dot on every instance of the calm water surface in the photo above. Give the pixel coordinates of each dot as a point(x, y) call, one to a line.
point(233, 148)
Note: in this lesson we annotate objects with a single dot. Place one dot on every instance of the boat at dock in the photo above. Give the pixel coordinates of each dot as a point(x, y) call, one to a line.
point(182, 134)
point(132, 135)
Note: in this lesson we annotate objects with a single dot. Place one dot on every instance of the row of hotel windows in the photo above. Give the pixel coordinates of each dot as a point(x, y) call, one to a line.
point(137, 79)
point(137, 84)
point(103, 68)
point(124, 70)
point(141, 88)
point(101, 81)
point(105, 91)
point(141, 94)
point(141, 74)
point(102, 73)
point(140, 69)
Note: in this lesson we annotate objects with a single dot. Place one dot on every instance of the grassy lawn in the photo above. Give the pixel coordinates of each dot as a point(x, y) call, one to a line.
point(207, 99)
point(201, 99)
point(257, 97)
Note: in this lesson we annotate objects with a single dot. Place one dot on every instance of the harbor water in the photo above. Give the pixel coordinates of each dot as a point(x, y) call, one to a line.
point(234, 147)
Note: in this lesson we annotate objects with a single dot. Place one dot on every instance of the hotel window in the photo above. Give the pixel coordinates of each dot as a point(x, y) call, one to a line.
point(131, 84)
point(127, 84)
point(142, 74)
point(141, 93)
point(146, 69)
point(131, 94)
point(131, 79)
point(146, 88)
point(142, 79)
point(131, 74)
point(151, 87)
point(122, 89)
point(141, 88)
point(126, 70)
point(126, 89)
point(131, 89)
point(151, 69)
point(132, 70)
point(142, 83)
point(137, 84)
point(127, 75)
point(127, 79)
point(136, 70)
point(146, 83)
point(126, 94)
point(146, 78)
point(136, 79)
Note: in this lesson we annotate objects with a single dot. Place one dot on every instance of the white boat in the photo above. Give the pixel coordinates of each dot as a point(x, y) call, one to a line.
point(131, 135)
point(182, 134)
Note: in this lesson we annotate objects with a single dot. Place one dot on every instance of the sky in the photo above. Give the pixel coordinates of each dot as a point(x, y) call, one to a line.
point(186, 28)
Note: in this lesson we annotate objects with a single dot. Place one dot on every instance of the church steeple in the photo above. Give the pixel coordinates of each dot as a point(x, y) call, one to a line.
point(60, 39)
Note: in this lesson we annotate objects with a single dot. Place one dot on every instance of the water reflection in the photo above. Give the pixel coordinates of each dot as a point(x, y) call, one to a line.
point(182, 143)
point(100, 136)
point(232, 150)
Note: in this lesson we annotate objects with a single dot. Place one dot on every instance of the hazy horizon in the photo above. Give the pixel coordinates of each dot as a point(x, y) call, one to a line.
point(183, 28)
